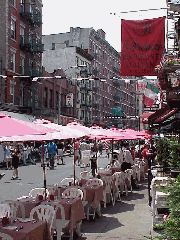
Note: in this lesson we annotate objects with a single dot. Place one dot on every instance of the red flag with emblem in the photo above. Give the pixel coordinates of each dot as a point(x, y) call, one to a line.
point(142, 45)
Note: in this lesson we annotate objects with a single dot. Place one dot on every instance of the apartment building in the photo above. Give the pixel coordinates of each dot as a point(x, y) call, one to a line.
point(76, 64)
point(21, 49)
point(109, 90)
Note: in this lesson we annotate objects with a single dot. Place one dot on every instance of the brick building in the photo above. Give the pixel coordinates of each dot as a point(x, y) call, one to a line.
point(109, 91)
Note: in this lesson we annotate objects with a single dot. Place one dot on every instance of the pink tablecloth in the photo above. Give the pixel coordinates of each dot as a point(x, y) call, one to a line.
point(94, 194)
point(73, 208)
point(36, 231)
point(29, 204)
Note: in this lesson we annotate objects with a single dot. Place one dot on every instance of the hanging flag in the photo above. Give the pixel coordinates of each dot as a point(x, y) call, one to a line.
point(152, 88)
point(149, 97)
point(142, 45)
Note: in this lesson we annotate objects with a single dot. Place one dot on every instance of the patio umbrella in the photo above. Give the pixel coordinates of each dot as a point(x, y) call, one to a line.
point(12, 127)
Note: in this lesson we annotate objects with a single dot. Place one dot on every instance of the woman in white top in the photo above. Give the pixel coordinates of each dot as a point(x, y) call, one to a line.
point(8, 156)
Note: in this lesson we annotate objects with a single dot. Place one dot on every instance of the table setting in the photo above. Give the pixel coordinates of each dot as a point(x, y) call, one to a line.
point(25, 229)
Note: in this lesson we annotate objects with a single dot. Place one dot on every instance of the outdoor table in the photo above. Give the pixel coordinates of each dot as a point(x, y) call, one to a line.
point(29, 203)
point(73, 209)
point(94, 195)
point(38, 230)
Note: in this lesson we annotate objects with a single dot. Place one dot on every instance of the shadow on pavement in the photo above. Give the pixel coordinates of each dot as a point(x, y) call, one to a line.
point(101, 225)
point(119, 207)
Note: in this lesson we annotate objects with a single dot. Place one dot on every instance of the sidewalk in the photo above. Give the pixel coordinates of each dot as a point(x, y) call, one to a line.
point(129, 219)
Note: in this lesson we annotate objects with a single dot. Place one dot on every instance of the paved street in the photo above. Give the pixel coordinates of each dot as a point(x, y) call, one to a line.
point(32, 176)
point(129, 219)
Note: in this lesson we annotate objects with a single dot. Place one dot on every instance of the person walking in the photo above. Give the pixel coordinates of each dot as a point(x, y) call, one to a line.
point(51, 147)
point(15, 163)
point(41, 153)
point(8, 156)
point(60, 147)
point(24, 154)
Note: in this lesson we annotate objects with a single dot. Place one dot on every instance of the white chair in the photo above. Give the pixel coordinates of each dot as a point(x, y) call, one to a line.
point(94, 182)
point(43, 213)
point(122, 183)
point(5, 236)
point(58, 223)
point(86, 175)
point(128, 174)
point(107, 191)
point(136, 172)
point(142, 166)
point(52, 188)
point(38, 191)
point(4, 210)
point(17, 208)
point(72, 192)
point(65, 181)
point(116, 192)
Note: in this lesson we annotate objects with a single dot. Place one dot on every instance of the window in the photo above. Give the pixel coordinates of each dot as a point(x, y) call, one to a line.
point(57, 100)
point(13, 2)
point(12, 63)
point(53, 46)
point(13, 28)
point(22, 34)
point(50, 98)
point(12, 92)
point(21, 65)
point(22, 6)
point(46, 97)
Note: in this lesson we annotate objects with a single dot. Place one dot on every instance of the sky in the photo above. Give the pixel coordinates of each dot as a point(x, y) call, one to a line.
point(60, 15)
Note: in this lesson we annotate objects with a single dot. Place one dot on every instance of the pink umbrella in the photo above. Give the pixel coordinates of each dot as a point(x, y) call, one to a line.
point(65, 132)
point(13, 127)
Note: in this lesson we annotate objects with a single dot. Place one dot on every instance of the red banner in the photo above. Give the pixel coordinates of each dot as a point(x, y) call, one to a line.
point(142, 45)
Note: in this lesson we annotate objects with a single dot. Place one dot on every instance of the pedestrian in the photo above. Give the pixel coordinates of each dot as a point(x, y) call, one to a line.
point(100, 147)
point(25, 154)
point(77, 151)
point(51, 147)
point(60, 147)
point(32, 154)
point(15, 163)
point(41, 153)
point(8, 156)
point(146, 155)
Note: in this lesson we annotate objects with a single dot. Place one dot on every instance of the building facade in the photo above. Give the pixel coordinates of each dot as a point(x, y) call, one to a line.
point(21, 49)
point(111, 95)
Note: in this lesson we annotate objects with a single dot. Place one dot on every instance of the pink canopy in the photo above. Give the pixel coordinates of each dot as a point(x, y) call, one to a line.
point(12, 127)
point(64, 132)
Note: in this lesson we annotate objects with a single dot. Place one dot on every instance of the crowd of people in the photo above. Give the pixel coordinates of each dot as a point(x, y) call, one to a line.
point(55, 150)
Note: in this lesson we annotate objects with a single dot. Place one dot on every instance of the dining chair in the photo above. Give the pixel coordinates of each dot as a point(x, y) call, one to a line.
point(17, 208)
point(43, 213)
point(107, 190)
point(86, 175)
point(58, 223)
point(72, 193)
point(136, 172)
point(4, 210)
point(94, 182)
point(128, 174)
point(52, 188)
point(5, 236)
point(116, 191)
point(66, 181)
point(38, 191)
point(122, 183)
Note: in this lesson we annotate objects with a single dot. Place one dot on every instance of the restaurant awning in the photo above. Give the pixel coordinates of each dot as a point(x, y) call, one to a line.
point(161, 115)
point(145, 117)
